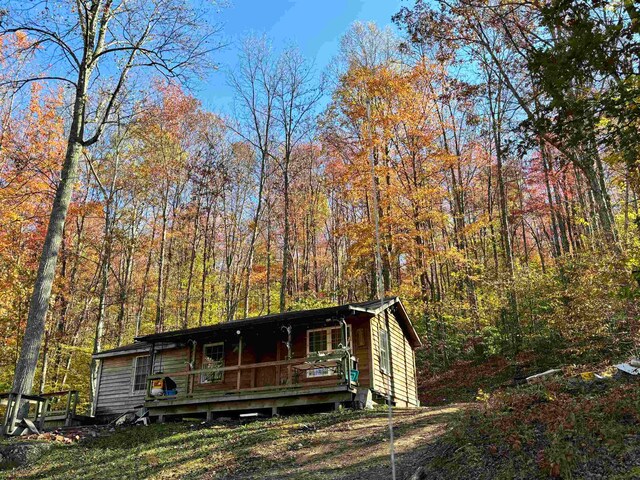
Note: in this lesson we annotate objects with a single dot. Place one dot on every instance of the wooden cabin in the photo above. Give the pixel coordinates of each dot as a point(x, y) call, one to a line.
point(328, 356)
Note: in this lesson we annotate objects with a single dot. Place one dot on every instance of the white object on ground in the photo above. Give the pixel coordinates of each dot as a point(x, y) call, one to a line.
point(539, 376)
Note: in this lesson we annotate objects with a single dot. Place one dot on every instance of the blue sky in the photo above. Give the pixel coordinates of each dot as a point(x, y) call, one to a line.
point(314, 26)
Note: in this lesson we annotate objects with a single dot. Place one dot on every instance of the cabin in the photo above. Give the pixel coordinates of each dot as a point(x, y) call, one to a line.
point(327, 357)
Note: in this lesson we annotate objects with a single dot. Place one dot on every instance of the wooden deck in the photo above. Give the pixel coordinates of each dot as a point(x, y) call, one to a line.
point(273, 400)
point(49, 409)
point(293, 388)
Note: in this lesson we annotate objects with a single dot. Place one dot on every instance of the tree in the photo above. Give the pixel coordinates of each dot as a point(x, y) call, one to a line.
point(118, 38)
point(256, 85)
point(507, 36)
point(587, 69)
point(297, 96)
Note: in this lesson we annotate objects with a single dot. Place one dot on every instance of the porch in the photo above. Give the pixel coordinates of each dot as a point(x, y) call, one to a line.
point(319, 378)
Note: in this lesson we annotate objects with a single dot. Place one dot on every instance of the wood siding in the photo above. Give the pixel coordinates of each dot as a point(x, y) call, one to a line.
point(115, 386)
point(267, 344)
point(401, 378)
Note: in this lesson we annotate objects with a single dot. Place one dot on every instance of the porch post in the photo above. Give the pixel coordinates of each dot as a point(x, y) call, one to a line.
point(152, 355)
point(289, 355)
point(191, 379)
point(43, 414)
point(239, 359)
point(345, 343)
point(150, 370)
point(4, 428)
point(277, 359)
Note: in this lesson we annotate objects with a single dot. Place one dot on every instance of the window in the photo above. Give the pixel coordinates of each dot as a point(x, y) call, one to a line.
point(140, 371)
point(317, 340)
point(324, 340)
point(384, 351)
point(212, 357)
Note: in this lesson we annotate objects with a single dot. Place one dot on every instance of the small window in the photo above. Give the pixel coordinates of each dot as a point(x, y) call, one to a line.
point(336, 337)
point(140, 372)
point(212, 357)
point(325, 340)
point(317, 340)
point(384, 351)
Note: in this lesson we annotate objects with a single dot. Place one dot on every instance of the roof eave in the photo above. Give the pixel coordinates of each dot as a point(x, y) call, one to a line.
point(412, 331)
point(143, 347)
point(247, 323)
point(414, 339)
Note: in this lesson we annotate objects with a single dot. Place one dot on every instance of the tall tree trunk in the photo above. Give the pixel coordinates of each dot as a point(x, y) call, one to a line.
point(125, 285)
point(145, 280)
point(556, 250)
point(192, 260)
point(161, 269)
point(39, 305)
point(254, 234)
point(205, 266)
point(102, 301)
point(285, 245)
point(268, 279)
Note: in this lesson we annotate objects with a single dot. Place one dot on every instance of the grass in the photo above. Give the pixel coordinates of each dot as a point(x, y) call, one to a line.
point(321, 446)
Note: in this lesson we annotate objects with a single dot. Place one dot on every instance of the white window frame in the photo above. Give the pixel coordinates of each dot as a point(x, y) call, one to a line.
point(385, 366)
point(133, 375)
point(326, 372)
point(203, 376)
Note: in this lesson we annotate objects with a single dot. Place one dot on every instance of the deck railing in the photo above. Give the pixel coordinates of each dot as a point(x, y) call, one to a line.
point(289, 374)
point(48, 406)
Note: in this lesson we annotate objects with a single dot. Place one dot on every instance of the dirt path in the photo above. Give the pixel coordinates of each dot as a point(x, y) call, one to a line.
point(358, 449)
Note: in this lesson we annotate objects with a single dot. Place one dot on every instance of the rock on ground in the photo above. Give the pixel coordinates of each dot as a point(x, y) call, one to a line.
point(20, 453)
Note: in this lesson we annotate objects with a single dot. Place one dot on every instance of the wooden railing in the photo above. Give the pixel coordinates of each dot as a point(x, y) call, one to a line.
point(288, 374)
point(55, 405)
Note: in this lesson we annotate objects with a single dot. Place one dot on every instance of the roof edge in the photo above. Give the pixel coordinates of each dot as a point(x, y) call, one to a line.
point(371, 307)
point(131, 349)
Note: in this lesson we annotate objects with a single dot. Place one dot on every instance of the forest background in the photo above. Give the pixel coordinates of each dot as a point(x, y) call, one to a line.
point(504, 139)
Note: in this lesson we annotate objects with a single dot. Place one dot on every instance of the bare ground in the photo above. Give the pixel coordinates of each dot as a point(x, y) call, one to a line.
point(359, 449)
point(332, 446)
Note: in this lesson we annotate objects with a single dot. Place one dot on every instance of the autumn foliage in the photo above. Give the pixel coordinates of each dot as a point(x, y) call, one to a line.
point(491, 230)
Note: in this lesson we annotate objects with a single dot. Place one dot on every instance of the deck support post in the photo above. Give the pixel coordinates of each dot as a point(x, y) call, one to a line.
point(209, 415)
point(17, 397)
point(4, 428)
point(43, 415)
point(274, 411)
point(67, 411)
point(161, 418)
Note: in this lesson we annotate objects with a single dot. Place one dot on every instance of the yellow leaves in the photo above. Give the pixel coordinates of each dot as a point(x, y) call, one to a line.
point(483, 396)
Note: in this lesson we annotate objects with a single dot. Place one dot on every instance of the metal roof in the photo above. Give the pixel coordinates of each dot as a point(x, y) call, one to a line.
point(137, 347)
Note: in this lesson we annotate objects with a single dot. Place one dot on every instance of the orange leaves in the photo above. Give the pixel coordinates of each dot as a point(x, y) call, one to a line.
point(388, 114)
point(34, 148)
